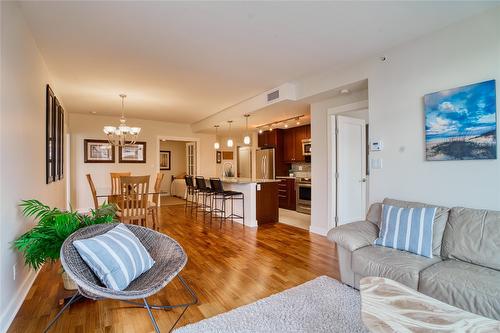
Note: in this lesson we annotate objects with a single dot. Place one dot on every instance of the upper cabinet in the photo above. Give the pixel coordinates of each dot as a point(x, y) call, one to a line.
point(269, 139)
point(292, 142)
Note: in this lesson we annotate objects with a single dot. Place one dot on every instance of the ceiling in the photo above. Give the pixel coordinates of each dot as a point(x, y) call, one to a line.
point(183, 61)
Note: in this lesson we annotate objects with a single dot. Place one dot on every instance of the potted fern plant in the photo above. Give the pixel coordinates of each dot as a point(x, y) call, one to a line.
point(43, 242)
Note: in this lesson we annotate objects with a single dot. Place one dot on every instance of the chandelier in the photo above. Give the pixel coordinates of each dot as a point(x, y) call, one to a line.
point(122, 135)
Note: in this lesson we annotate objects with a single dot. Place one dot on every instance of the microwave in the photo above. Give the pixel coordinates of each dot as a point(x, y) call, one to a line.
point(306, 147)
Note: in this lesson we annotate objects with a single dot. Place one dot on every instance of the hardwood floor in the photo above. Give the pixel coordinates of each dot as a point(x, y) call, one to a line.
point(228, 267)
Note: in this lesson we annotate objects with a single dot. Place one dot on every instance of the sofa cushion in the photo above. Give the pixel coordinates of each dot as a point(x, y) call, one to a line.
point(397, 265)
point(353, 236)
point(438, 226)
point(374, 214)
point(467, 286)
point(473, 235)
point(407, 229)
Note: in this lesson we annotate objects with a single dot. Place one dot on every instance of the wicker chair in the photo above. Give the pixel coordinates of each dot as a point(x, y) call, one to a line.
point(169, 256)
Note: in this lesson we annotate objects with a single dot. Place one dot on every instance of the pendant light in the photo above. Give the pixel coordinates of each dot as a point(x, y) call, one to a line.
point(246, 139)
point(230, 142)
point(216, 144)
point(122, 135)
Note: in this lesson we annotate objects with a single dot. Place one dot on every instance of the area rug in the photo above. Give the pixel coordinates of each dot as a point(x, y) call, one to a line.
point(319, 305)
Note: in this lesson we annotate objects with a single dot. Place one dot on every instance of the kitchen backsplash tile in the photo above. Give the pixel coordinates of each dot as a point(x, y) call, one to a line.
point(301, 169)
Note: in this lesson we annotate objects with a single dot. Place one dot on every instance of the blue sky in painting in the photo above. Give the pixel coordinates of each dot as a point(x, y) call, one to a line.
point(468, 110)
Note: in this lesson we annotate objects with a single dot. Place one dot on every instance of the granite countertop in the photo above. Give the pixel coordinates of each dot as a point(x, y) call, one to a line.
point(286, 177)
point(249, 180)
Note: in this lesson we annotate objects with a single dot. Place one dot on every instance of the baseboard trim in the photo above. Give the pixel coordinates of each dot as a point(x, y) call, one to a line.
point(15, 304)
point(318, 230)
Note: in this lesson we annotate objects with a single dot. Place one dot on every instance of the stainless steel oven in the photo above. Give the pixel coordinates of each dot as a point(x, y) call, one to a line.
point(303, 195)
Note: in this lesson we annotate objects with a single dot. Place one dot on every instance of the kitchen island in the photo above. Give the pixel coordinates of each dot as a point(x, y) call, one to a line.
point(261, 200)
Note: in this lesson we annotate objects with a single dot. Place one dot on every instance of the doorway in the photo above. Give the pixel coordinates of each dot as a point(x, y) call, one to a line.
point(348, 169)
point(244, 162)
point(177, 157)
point(351, 170)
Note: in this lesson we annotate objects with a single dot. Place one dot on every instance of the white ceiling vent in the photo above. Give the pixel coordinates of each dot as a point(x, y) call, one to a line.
point(273, 95)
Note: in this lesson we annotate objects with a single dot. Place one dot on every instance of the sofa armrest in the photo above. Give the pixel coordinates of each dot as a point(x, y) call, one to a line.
point(353, 236)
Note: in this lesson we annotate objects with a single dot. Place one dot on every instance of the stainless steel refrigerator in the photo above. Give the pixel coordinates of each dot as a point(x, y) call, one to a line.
point(265, 163)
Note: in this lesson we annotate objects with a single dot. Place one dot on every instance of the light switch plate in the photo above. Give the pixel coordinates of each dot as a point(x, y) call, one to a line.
point(376, 145)
point(376, 163)
point(258, 187)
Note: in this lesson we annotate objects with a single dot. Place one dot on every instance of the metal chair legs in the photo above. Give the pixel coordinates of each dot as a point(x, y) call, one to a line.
point(155, 325)
point(194, 299)
point(73, 299)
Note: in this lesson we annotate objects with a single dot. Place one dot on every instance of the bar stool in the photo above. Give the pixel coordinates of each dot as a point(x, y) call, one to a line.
point(190, 191)
point(221, 194)
point(206, 193)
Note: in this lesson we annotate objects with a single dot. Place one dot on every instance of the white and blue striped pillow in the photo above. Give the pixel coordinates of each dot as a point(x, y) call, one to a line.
point(407, 229)
point(117, 257)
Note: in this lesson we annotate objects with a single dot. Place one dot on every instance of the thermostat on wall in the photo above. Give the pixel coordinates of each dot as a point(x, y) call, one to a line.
point(376, 145)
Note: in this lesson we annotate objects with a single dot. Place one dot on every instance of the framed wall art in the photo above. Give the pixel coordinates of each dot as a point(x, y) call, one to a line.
point(461, 124)
point(50, 129)
point(98, 151)
point(54, 138)
point(164, 159)
point(132, 153)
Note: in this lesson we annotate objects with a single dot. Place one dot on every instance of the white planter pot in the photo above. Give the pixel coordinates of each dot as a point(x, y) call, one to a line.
point(68, 283)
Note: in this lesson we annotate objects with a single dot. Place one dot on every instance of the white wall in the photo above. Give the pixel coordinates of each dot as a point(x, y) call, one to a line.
point(22, 144)
point(177, 161)
point(322, 193)
point(238, 142)
point(83, 126)
point(463, 53)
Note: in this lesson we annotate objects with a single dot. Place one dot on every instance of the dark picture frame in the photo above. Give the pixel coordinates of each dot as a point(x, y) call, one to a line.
point(98, 151)
point(50, 132)
point(54, 137)
point(165, 159)
point(132, 153)
point(59, 141)
point(218, 157)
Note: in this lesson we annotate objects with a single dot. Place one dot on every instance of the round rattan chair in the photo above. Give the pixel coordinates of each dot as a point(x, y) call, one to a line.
point(169, 258)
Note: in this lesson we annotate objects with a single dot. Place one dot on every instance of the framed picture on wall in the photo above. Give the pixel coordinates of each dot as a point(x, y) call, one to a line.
point(164, 159)
point(218, 157)
point(132, 153)
point(50, 122)
point(54, 138)
point(98, 151)
point(460, 123)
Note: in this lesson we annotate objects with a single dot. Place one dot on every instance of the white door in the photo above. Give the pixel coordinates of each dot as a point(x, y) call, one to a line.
point(191, 158)
point(351, 170)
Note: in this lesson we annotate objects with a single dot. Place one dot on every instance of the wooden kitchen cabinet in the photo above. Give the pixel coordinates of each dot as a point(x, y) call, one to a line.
point(268, 139)
point(292, 141)
point(286, 194)
point(288, 145)
point(267, 203)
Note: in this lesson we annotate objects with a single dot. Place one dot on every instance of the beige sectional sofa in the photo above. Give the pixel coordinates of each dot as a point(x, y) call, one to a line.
point(464, 270)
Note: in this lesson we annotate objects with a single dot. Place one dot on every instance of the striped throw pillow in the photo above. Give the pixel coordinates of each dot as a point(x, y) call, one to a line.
point(117, 257)
point(407, 229)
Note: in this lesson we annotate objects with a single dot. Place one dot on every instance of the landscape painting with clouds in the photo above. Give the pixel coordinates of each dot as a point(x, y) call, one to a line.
point(460, 123)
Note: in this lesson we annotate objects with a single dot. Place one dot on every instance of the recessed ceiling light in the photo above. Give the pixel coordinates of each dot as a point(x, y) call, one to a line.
point(345, 91)
point(93, 112)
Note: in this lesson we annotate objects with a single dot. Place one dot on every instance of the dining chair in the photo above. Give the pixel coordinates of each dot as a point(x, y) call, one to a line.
point(93, 191)
point(115, 181)
point(133, 200)
point(154, 205)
